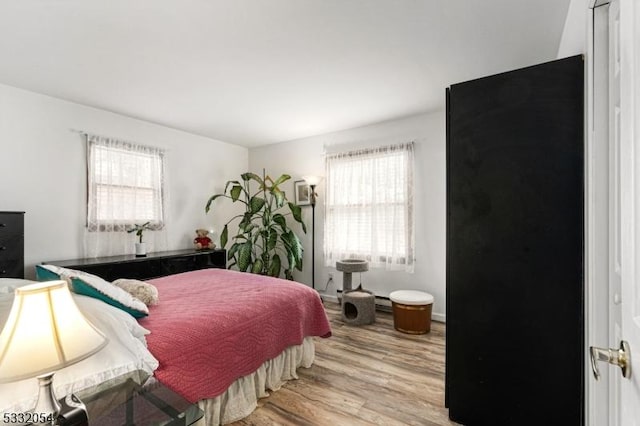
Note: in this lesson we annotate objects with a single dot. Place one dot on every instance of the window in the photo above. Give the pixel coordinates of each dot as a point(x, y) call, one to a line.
point(125, 185)
point(369, 207)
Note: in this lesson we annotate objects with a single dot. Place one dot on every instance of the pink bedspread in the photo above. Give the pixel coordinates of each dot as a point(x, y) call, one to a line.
point(214, 326)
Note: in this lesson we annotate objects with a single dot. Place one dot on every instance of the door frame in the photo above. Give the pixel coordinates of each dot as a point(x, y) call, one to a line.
point(597, 404)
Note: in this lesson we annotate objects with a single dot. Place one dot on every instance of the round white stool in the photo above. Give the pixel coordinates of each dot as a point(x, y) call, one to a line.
point(411, 311)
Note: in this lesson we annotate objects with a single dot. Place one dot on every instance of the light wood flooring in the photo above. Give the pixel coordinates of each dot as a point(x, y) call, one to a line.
point(364, 375)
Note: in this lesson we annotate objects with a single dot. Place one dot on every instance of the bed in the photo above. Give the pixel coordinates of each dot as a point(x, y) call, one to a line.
point(220, 338)
point(242, 331)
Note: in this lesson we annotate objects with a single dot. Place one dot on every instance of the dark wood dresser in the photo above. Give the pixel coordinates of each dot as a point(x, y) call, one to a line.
point(153, 265)
point(11, 244)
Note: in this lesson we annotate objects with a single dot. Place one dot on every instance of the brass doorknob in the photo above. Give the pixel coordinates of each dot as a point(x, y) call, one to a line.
point(620, 357)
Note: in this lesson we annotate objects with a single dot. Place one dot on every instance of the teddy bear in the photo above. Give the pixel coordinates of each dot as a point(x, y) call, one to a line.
point(202, 241)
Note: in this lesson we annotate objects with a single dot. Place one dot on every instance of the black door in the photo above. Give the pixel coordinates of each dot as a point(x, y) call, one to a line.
point(515, 247)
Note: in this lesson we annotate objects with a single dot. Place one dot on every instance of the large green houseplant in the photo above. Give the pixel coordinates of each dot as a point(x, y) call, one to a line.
point(264, 243)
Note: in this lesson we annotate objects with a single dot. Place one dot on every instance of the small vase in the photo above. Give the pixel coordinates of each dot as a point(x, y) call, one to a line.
point(141, 249)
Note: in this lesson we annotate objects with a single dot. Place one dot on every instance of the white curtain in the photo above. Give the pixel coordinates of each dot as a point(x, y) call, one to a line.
point(369, 207)
point(125, 187)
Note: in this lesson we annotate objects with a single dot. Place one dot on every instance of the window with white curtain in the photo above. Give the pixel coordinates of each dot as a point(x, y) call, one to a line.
point(125, 187)
point(369, 207)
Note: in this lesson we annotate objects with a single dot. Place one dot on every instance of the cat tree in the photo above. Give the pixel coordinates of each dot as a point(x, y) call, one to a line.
point(358, 306)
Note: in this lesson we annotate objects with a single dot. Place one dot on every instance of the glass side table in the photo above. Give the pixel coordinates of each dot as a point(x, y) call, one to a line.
point(131, 404)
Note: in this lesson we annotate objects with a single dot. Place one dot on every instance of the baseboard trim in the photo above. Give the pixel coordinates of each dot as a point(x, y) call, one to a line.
point(329, 297)
point(438, 317)
point(382, 303)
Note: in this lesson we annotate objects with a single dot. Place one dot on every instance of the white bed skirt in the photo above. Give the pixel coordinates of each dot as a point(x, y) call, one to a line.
point(241, 398)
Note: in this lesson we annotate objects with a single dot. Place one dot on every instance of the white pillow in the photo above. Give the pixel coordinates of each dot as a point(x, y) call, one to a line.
point(93, 286)
point(8, 285)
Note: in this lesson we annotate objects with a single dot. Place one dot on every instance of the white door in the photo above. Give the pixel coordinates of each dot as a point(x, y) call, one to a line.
point(615, 119)
point(629, 231)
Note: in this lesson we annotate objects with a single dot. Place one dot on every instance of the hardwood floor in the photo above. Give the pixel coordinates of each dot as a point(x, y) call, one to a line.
point(364, 375)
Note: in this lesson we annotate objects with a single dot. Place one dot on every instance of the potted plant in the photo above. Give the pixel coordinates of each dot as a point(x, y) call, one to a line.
point(264, 243)
point(141, 247)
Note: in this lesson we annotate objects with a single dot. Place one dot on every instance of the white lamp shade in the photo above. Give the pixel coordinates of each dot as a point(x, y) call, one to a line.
point(312, 180)
point(45, 332)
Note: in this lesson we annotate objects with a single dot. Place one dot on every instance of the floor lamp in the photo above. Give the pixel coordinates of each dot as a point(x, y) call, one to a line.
point(313, 181)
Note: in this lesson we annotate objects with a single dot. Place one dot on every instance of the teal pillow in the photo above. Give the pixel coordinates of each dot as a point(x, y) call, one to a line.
point(82, 287)
point(93, 286)
point(44, 274)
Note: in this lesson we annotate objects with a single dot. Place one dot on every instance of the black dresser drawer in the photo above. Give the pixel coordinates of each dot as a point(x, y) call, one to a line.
point(11, 269)
point(12, 247)
point(11, 244)
point(114, 271)
point(11, 224)
point(177, 265)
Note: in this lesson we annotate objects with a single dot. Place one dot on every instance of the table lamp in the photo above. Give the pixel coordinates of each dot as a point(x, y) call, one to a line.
point(45, 332)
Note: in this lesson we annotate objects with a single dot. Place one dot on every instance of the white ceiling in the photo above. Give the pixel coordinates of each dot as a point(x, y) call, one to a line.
point(255, 72)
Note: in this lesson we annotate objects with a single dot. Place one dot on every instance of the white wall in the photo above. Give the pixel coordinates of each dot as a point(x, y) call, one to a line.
point(306, 156)
point(574, 35)
point(43, 171)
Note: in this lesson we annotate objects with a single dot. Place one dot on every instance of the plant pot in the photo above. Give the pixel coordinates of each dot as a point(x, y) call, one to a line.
point(141, 249)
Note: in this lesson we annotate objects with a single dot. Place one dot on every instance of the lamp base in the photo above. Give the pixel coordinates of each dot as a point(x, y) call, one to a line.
point(47, 408)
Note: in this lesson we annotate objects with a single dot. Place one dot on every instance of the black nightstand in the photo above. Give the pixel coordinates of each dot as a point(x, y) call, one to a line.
point(131, 404)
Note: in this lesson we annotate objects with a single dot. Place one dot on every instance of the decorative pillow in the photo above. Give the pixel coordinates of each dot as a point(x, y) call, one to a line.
point(146, 292)
point(94, 286)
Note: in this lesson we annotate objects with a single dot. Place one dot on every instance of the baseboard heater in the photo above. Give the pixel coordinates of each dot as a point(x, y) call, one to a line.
point(383, 303)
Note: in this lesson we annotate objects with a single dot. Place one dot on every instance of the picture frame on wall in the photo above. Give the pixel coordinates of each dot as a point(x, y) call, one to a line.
point(302, 193)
